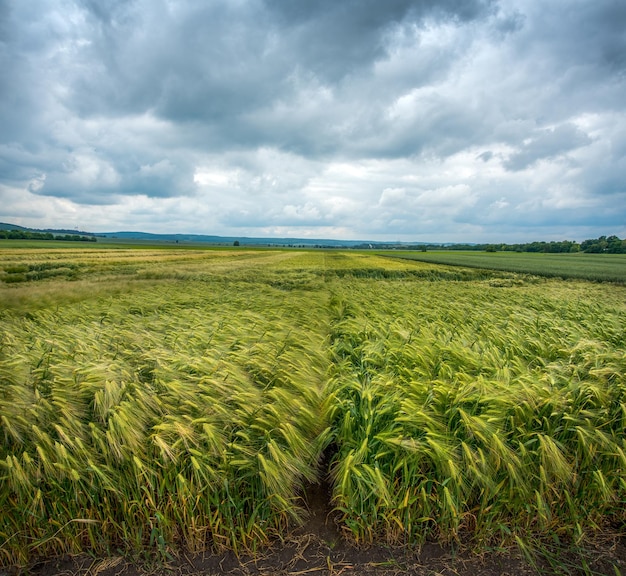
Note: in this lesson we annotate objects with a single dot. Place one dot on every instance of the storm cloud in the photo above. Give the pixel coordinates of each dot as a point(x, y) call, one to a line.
point(427, 120)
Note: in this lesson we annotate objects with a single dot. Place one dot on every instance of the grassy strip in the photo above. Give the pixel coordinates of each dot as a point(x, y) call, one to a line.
point(594, 267)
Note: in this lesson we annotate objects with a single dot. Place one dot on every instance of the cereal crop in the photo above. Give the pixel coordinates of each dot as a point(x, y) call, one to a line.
point(161, 400)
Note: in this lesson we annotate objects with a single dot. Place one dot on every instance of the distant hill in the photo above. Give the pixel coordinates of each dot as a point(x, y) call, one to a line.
point(5, 226)
point(210, 239)
point(199, 238)
point(223, 240)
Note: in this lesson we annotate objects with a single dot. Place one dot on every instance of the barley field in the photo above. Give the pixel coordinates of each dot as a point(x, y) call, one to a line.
point(154, 400)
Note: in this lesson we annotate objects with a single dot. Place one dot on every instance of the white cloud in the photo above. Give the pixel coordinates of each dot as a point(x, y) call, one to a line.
point(392, 197)
point(500, 204)
point(217, 178)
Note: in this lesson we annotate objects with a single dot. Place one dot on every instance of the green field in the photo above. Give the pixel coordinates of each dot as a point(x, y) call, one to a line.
point(154, 400)
point(596, 267)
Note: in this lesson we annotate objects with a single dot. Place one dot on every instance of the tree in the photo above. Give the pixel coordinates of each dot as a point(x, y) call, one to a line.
point(614, 245)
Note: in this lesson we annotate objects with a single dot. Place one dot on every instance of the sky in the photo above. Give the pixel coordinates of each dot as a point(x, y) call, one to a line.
point(395, 120)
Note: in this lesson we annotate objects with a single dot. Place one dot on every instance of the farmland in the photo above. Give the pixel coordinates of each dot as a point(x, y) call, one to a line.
point(595, 267)
point(170, 399)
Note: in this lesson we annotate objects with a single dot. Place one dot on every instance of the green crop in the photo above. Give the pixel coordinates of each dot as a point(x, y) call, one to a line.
point(174, 415)
point(460, 409)
point(153, 400)
point(594, 267)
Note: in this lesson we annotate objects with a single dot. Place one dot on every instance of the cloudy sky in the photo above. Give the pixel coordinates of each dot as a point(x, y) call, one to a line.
point(432, 120)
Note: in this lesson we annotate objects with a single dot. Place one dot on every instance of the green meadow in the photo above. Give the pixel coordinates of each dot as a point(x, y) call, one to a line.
point(158, 400)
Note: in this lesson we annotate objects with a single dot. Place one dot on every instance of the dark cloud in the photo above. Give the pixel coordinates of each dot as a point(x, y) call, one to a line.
point(220, 61)
point(334, 40)
point(574, 55)
point(547, 144)
point(5, 27)
point(604, 33)
point(108, 12)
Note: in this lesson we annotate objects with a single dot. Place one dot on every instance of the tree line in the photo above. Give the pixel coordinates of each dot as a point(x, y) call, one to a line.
point(601, 245)
point(28, 235)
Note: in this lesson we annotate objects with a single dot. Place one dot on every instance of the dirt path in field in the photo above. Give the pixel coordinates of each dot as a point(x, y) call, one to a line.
point(318, 549)
point(308, 554)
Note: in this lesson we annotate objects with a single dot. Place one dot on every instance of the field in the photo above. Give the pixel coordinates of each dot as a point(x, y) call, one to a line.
point(594, 267)
point(156, 400)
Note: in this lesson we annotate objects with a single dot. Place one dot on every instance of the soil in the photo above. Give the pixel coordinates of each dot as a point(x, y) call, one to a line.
point(319, 549)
